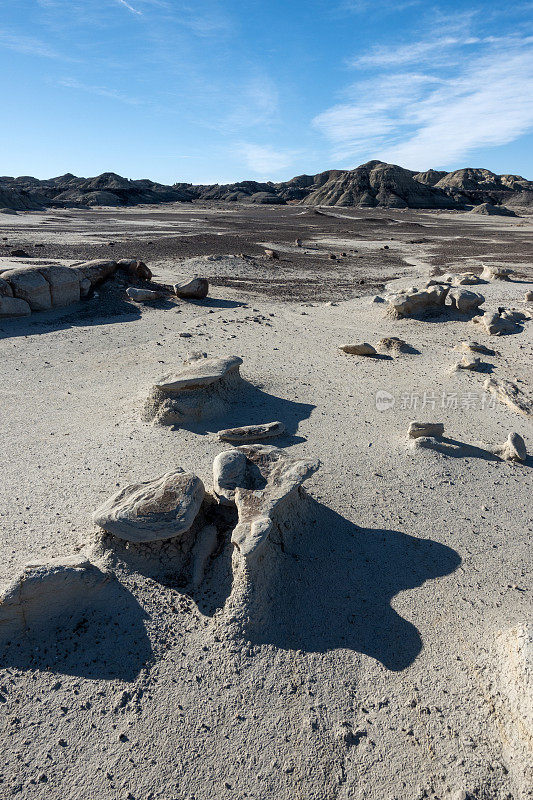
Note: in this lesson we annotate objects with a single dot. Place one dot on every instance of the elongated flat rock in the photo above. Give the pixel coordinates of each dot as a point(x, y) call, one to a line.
point(154, 510)
point(511, 394)
point(359, 349)
point(251, 433)
point(201, 372)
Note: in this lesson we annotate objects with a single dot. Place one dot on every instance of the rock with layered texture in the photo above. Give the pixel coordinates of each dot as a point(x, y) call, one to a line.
point(510, 394)
point(495, 324)
point(143, 295)
point(412, 301)
point(28, 284)
point(265, 485)
point(155, 510)
point(252, 433)
point(496, 273)
point(203, 388)
point(43, 592)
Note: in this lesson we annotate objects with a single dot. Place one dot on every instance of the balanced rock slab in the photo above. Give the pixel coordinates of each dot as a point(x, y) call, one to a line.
point(252, 433)
point(202, 389)
point(155, 510)
point(417, 429)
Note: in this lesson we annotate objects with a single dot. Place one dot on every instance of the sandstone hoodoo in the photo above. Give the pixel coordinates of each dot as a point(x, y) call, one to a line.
point(203, 388)
point(263, 482)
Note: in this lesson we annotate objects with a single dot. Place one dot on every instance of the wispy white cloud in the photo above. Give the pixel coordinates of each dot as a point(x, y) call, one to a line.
point(130, 8)
point(424, 119)
point(103, 91)
point(263, 159)
point(27, 45)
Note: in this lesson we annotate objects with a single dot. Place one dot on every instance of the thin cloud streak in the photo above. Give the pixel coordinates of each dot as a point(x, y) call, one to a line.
point(130, 8)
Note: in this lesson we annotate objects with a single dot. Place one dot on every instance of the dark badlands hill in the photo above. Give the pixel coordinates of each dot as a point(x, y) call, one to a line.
point(370, 185)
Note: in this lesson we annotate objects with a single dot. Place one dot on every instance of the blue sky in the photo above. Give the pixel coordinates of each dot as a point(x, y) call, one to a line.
point(207, 91)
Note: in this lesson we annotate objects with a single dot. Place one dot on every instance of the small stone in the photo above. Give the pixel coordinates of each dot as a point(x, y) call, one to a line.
point(143, 295)
point(360, 349)
point(528, 297)
point(272, 254)
point(417, 429)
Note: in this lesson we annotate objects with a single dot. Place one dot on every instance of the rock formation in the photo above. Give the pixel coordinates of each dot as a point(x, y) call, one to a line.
point(417, 429)
point(262, 482)
point(510, 394)
point(203, 388)
point(192, 289)
point(155, 510)
point(361, 349)
point(513, 449)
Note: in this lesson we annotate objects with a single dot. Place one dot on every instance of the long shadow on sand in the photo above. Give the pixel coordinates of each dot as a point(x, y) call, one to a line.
point(105, 639)
point(253, 406)
point(334, 584)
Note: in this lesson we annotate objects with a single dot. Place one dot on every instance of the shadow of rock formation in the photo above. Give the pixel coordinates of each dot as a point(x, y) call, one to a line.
point(101, 636)
point(330, 585)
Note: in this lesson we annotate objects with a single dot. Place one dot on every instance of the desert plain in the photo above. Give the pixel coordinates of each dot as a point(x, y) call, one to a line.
point(381, 645)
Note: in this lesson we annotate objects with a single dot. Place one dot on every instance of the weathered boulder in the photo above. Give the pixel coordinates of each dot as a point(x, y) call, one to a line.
point(28, 284)
point(473, 363)
point(43, 592)
point(495, 273)
point(263, 495)
point(159, 509)
point(475, 347)
point(136, 268)
point(495, 324)
point(143, 295)
point(417, 429)
point(412, 301)
point(13, 307)
point(272, 254)
point(64, 284)
point(193, 289)
point(360, 349)
point(96, 271)
point(513, 449)
point(392, 344)
point(528, 297)
point(511, 395)
point(464, 301)
point(252, 433)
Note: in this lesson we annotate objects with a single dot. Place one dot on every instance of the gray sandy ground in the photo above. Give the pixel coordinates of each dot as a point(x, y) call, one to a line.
point(366, 667)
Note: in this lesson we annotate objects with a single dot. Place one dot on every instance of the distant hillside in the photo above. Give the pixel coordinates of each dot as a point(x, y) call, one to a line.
point(374, 184)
